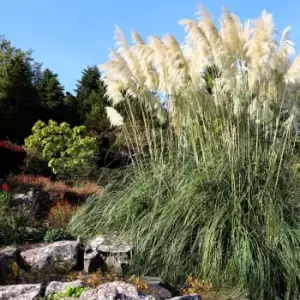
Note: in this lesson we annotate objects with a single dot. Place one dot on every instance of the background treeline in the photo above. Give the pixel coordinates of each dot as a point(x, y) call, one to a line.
point(30, 92)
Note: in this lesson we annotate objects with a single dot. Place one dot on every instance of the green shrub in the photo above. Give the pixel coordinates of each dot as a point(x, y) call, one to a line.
point(67, 150)
point(17, 226)
point(27, 235)
point(57, 234)
point(12, 235)
point(5, 198)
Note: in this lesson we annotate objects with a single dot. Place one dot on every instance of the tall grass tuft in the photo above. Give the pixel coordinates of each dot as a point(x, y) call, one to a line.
point(216, 194)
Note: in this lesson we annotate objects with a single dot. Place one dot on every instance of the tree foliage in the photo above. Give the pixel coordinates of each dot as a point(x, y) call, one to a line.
point(91, 97)
point(50, 90)
point(65, 149)
point(30, 92)
point(19, 102)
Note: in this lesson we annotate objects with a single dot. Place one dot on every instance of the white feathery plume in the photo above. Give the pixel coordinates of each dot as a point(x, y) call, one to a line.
point(206, 22)
point(292, 76)
point(128, 56)
point(222, 56)
point(113, 91)
point(136, 38)
point(261, 49)
point(119, 37)
point(159, 63)
point(118, 76)
point(232, 33)
point(197, 40)
point(285, 52)
point(145, 55)
point(114, 117)
point(197, 50)
point(248, 57)
point(176, 64)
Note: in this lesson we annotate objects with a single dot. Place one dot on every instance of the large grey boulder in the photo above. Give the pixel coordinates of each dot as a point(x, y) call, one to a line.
point(20, 292)
point(108, 252)
point(57, 287)
point(58, 256)
point(9, 258)
point(117, 290)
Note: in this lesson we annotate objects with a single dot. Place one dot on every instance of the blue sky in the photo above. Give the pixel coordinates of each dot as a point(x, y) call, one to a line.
point(68, 35)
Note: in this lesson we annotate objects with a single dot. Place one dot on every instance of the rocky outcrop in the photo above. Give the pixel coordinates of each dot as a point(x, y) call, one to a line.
point(113, 291)
point(60, 256)
point(107, 252)
point(20, 292)
point(117, 290)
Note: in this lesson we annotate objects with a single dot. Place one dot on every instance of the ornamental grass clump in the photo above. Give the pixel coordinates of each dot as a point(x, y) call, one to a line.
point(215, 193)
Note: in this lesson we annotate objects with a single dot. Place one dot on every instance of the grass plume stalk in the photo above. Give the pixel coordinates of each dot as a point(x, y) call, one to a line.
point(216, 195)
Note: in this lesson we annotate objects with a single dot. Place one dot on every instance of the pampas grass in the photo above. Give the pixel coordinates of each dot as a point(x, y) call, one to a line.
point(216, 195)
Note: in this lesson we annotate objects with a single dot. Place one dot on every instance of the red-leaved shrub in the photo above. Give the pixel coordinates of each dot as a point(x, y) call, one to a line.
point(11, 158)
point(11, 146)
point(61, 213)
point(87, 188)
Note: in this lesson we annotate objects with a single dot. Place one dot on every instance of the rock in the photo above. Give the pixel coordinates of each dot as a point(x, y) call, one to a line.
point(107, 252)
point(22, 198)
point(20, 292)
point(9, 259)
point(159, 292)
point(37, 199)
point(157, 287)
point(58, 256)
point(55, 286)
point(110, 243)
point(116, 290)
point(41, 203)
point(152, 280)
point(196, 297)
point(93, 260)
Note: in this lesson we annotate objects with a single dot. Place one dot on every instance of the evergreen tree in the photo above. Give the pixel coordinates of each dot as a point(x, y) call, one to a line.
point(89, 82)
point(50, 90)
point(91, 97)
point(71, 115)
point(56, 105)
point(19, 101)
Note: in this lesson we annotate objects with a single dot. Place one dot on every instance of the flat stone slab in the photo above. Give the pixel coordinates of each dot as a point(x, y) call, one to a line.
point(107, 251)
point(110, 243)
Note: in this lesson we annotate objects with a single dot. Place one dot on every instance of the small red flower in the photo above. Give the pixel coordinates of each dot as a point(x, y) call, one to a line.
point(5, 187)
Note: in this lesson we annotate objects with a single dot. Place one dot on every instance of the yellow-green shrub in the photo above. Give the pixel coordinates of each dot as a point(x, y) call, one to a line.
point(65, 149)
